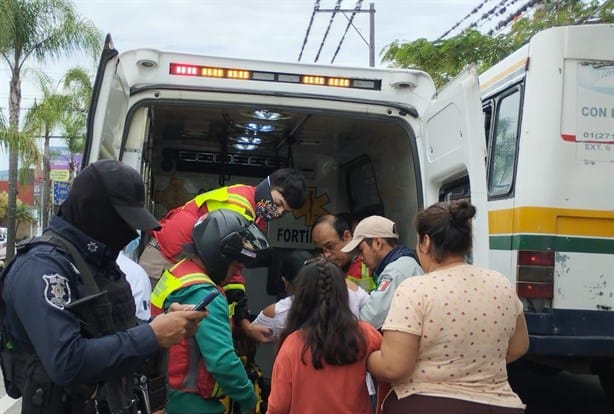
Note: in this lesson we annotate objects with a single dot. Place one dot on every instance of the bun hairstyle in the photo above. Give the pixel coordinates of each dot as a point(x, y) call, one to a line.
point(448, 224)
point(461, 212)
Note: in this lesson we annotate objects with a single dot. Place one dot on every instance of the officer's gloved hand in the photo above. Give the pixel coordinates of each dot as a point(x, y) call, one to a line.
point(178, 323)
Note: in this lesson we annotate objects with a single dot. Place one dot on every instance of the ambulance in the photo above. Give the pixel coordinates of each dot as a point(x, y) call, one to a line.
point(549, 122)
point(368, 140)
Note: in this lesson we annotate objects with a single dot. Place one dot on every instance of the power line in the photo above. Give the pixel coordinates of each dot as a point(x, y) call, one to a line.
point(316, 6)
point(330, 23)
point(356, 8)
point(531, 4)
point(455, 25)
point(497, 10)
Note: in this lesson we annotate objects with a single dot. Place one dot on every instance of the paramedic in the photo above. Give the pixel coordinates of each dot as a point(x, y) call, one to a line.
point(282, 191)
point(205, 368)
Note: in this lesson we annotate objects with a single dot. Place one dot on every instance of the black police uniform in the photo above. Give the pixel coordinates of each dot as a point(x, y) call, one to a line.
point(37, 287)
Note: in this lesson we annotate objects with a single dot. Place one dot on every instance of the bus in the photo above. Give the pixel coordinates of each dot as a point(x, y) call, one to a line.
point(549, 126)
point(368, 140)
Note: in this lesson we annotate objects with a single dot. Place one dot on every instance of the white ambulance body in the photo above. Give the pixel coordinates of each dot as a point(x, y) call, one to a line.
point(549, 117)
point(368, 140)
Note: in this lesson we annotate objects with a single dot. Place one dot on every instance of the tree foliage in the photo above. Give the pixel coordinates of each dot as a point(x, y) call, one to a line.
point(35, 30)
point(79, 86)
point(23, 213)
point(444, 59)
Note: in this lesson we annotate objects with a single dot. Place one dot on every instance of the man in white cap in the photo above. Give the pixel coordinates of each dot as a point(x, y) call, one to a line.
point(377, 241)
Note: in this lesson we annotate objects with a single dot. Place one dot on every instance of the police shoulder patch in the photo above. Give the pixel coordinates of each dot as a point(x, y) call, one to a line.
point(383, 284)
point(57, 290)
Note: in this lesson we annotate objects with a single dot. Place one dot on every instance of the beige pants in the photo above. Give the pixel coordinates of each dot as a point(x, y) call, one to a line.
point(153, 262)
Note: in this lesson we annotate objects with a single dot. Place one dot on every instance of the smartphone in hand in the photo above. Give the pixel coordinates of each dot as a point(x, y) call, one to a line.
point(206, 300)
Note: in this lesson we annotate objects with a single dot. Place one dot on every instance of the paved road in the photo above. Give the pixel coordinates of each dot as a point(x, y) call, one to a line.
point(7, 404)
point(562, 393)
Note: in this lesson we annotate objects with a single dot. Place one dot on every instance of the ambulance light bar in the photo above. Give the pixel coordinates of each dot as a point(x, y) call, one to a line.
point(181, 69)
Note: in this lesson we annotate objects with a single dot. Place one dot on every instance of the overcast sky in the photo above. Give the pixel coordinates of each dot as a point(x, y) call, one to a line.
point(257, 29)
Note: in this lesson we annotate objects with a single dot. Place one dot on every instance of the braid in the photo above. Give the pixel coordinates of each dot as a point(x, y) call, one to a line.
point(320, 311)
point(324, 286)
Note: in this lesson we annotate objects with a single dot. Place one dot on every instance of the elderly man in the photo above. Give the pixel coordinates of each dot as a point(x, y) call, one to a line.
point(377, 241)
point(330, 233)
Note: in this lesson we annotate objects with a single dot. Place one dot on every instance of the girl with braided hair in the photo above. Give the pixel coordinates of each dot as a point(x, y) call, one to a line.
point(321, 363)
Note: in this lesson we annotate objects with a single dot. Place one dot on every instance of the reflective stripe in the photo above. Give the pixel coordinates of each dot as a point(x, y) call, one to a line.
point(244, 202)
point(213, 205)
point(364, 271)
point(365, 280)
point(219, 194)
point(231, 309)
point(169, 283)
point(234, 286)
point(222, 198)
point(217, 391)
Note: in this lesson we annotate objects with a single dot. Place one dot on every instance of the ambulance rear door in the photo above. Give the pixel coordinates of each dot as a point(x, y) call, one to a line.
point(108, 108)
point(453, 148)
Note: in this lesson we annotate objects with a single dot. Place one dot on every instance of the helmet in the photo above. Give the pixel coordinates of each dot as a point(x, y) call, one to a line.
point(223, 236)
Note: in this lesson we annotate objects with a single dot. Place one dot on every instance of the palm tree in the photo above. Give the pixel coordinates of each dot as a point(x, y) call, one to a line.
point(43, 118)
point(78, 84)
point(35, 30)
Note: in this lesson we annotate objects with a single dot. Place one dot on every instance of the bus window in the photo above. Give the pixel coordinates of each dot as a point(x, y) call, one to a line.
point(503, 145)
point(363, 194)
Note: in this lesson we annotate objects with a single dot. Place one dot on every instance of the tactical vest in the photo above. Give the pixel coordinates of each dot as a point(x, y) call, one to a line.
point(110, 309)
point(178, 223)
point(186, 368)
point(359, 273)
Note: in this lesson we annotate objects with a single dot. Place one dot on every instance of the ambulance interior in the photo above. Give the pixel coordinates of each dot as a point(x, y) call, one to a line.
point(352, 161)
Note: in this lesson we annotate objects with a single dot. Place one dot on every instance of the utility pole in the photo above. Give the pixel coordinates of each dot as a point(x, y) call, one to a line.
point(371, 11)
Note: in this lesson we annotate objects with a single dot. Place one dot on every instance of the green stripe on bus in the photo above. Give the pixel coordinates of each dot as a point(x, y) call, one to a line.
point(550, 242)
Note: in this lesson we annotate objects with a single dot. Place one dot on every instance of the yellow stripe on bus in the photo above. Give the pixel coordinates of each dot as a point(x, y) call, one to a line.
point(503, 74)
point(544, 220)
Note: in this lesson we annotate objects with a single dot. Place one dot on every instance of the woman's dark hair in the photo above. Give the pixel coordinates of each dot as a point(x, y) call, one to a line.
point(320, 309)
point(448, 224)
point(292, 263)
point(291, 184)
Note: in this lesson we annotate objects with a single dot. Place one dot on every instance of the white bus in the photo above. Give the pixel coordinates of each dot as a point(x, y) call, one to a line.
point(549, 120)
point(368, 140)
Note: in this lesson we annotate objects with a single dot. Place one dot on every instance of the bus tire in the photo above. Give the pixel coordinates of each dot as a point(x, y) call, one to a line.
point(606, 379)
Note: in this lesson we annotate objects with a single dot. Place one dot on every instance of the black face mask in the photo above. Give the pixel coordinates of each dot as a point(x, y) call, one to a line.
point(88, 208)
point(265, 206)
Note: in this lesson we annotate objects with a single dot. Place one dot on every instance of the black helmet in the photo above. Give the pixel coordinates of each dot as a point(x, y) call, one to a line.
point(222, 236)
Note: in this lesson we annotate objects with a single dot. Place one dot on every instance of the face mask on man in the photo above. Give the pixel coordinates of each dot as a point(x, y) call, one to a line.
point(265, 205)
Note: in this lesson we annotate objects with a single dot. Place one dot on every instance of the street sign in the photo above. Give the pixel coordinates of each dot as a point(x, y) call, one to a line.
point(60, 191)
point(59, 175)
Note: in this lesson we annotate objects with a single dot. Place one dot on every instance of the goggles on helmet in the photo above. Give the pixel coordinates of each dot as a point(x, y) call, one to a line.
point(246, 246)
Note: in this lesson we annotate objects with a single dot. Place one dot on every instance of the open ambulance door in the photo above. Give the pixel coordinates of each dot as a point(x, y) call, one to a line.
point(108, 108)
point(454, 148)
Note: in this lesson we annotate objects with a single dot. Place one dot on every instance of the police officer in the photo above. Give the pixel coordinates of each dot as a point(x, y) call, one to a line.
point(71, 343)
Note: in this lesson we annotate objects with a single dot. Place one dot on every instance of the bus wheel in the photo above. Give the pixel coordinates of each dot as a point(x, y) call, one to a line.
point(606, 378)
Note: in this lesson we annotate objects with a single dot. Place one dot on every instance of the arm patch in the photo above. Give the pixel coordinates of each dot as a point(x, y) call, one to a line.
point(57, 290)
